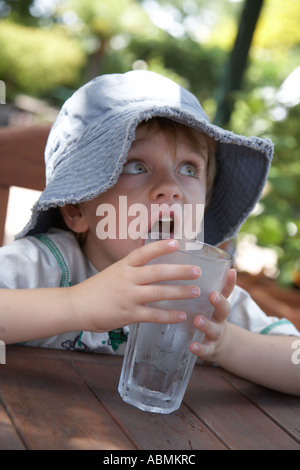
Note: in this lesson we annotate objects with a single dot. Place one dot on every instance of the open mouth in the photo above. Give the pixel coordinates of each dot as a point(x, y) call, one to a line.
point(163, 228)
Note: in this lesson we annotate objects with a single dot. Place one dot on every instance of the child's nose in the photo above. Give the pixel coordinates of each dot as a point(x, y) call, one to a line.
point(165, 189)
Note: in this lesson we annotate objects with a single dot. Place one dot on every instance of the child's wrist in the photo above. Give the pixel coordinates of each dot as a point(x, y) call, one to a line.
point(73, 311)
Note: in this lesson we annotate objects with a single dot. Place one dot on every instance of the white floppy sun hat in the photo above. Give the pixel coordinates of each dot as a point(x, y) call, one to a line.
point(90, 139)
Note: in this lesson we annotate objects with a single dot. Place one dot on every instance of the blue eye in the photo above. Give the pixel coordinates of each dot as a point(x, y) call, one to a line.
point(134, 168)
point(188, 169)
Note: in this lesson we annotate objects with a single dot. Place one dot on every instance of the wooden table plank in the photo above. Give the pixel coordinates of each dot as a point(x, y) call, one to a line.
point(52, 399)
point(281, 408)
point(27, 353)
point(179, 430)
point(237, 422)
point(9, 439)
point(53, 409)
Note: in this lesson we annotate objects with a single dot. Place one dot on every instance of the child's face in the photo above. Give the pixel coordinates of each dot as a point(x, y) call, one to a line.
point(159, 170)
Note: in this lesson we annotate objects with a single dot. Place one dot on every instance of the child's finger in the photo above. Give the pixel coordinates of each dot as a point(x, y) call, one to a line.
point(203, 350)
point(167, 272)
point(164, 292)
point(229, 283)
point(146, 253)
point(149, 314)
point(221, 305)
point(211, 329)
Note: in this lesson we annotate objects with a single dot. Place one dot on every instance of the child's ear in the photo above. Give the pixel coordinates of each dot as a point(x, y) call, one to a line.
point(74, 218)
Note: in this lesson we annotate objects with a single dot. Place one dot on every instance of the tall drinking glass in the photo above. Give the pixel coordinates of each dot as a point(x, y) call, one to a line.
point(158, 363)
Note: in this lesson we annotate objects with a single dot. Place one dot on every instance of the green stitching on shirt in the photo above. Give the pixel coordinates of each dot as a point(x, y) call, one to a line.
point(268, 328)
point(65, 279)
point(79, 339)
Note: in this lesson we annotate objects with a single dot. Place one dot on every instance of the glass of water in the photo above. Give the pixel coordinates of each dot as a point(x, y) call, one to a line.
point(158, 363)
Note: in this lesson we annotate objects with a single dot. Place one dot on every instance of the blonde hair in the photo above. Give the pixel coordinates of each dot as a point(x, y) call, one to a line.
point(194, 135)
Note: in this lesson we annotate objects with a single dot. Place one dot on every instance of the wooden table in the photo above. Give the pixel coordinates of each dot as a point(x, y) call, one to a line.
point(65, 400)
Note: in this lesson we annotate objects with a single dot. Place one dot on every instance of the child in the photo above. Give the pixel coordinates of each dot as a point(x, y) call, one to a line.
point(141, 136)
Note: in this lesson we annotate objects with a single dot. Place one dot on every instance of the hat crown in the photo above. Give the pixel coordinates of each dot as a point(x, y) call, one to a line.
point(115, 93)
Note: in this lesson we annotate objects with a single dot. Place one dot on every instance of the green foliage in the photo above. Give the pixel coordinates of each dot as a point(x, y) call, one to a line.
point(278, 224)
point(34, 61)
point(181, 57)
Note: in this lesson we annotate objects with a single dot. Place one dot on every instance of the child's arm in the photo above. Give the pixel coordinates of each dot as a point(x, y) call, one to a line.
point(111, 299)
point(265, 360)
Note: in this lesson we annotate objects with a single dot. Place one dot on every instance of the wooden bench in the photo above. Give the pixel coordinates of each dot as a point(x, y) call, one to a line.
point(272, 299)
point(21, 162)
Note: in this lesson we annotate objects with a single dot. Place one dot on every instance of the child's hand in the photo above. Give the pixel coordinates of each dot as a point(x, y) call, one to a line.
point(215, 328)
point(118, 295)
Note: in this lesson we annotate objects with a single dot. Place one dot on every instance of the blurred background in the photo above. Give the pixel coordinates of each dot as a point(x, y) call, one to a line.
point(240, 58)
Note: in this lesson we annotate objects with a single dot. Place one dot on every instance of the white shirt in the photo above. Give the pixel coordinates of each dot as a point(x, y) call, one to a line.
point(55, 259)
